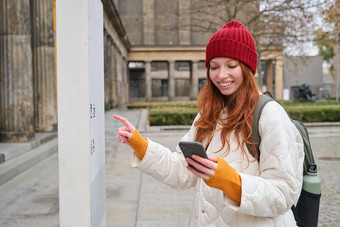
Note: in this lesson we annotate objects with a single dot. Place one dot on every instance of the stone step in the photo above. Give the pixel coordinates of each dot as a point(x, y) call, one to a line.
point(10, 151)
point(19, 164)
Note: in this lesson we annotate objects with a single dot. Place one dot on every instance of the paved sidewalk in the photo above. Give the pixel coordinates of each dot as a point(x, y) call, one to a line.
point(32, 197)
point(135, 199)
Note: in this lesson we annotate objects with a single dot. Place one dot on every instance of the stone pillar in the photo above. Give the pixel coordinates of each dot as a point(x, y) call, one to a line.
point(107, 71)
point(114, 93)
point(149, 22)
point(128, 79)
point(119, 77)
point(279, 79)
point(16, 82)
point(171, 80)
point(148, 81)
point(194, 80)
point(269, 78)
point(44, 82)
point(184, 22)
point(122, 69)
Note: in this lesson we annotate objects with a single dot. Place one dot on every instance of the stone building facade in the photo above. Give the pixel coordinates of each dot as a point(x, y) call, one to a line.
point(166, 60)
point(116, 48)
point(304, 70)
point(161, 63)
point(28, 100)
point(164, 63)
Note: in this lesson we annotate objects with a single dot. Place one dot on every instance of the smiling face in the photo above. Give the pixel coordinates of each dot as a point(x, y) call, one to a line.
point(226, 74)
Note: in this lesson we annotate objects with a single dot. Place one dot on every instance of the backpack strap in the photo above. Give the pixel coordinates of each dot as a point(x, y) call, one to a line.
point(255, 135)
point(309, 162)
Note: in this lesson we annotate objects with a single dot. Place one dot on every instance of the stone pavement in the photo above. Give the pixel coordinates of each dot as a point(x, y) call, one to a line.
point(135, 199)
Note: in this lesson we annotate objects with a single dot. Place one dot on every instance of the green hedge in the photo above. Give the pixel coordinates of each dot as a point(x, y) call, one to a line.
point(184, 112)
point(161, 105)
point(172, 117)
point(321, 113)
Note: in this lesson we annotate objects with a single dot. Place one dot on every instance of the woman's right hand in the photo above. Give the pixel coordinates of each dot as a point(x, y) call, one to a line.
point(125, 132)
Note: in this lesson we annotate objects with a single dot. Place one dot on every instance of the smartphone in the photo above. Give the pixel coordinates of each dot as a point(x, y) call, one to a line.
point(191, 148)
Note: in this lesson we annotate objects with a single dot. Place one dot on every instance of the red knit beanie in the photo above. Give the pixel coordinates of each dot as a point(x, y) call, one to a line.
point(233, 40)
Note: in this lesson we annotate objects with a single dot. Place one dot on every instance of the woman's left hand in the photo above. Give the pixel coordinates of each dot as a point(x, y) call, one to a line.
point(206, 166)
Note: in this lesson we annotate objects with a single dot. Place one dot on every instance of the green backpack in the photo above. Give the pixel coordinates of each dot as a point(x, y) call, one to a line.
point(306, 211)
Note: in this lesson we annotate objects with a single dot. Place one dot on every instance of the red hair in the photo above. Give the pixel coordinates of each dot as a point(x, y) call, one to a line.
point(240, 107)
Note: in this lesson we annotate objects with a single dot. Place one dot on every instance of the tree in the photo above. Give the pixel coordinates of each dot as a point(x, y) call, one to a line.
point(325, 36)
point(274, 24)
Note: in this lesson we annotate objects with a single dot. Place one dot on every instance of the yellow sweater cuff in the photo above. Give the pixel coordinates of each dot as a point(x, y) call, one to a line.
point(226, 179)
point(138, 143)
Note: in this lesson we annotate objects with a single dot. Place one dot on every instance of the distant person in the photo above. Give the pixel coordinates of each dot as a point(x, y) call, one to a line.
point(233, 187)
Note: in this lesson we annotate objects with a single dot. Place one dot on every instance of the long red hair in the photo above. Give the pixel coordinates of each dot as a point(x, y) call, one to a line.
point(240, 107)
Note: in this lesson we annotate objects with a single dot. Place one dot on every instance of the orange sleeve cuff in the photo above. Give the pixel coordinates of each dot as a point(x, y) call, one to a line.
point(138, 143)
point(226, 179)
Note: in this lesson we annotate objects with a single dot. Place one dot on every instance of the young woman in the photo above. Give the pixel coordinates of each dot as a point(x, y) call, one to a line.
point(233, 188)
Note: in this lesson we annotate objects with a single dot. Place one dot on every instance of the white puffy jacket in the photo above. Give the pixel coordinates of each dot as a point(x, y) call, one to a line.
point(269, 188)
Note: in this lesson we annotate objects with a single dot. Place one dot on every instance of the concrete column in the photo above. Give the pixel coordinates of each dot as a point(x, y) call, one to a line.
point(194, 80)
point(120, 77)
point(123, 83)
point(269, 78)
point(114, 93)
point(81, 128)
point(107, 71)
point(16, 82)
point(279, 79)
point(258, 75)
point(126, 79)
point(171, 80)
point(45, 103)
point(148, 81)
point(149, 22)
point(184, 22)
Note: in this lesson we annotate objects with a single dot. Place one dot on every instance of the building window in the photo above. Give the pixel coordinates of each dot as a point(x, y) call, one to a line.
point(159, 66)
point(201, 83)
point(137, 88)
point(182, 87)
point(182, 66)
point(159, 88)
point(134, 91)
point(201, 66)
point(164, 88)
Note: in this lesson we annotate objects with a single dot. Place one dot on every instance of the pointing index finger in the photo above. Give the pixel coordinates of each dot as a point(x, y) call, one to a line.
point(123, 120)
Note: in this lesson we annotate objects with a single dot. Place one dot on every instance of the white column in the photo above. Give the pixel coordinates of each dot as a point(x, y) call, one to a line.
point(80, 67)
